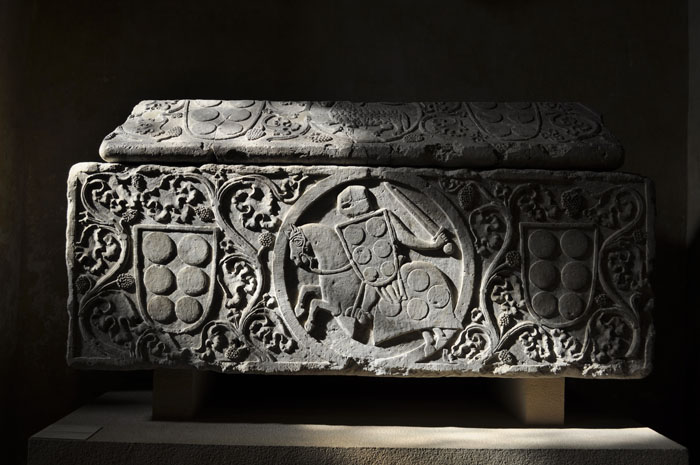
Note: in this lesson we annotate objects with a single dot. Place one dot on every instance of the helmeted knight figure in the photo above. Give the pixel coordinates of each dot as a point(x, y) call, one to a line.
point(396, 294)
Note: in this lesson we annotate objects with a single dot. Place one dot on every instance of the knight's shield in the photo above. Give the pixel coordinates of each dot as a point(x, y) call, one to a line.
point(370, 244)
point(507, 121)
point(429, 303)
point(222, 119)
point(558, 270)
point(176, 275)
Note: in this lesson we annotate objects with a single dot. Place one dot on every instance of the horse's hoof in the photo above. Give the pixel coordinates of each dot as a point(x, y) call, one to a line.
point(309, 326)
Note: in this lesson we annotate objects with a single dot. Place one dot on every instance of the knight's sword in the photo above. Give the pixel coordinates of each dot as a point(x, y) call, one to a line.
point(419, 215)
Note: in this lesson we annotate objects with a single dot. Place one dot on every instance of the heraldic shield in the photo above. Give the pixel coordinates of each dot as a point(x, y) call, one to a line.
point(406, 296)
point(559, 270)
point(369, 242)
point(216, 119)
point(176, 275)
point(508, 121)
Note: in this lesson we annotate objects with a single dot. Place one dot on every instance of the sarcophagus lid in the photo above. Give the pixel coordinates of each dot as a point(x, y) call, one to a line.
point(435, 134)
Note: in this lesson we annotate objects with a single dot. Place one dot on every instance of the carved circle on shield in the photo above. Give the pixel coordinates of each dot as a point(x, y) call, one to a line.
point(387, 268)
point(194, 250)
point(545, 304)
point(574, 243)
point(418, 280)
point(159, 248)
point(362, 255)
point(312, 211)
point(161, 309)
point(159, 279)
point(382, 248)
point(542, 244)
point(376, 227)
point(418, 309)
point(354, 234)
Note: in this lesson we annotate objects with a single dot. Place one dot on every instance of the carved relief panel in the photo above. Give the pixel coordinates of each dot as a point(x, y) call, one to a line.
point(381, 270)
point(439, 134)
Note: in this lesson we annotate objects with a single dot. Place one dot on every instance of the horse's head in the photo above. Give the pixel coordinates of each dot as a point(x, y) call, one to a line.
point(300, 251)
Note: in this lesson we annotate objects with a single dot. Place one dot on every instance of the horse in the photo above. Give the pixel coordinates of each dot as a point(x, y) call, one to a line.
point(316, 248)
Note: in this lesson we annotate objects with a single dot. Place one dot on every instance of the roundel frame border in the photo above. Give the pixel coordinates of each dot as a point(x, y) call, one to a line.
point(349, 348)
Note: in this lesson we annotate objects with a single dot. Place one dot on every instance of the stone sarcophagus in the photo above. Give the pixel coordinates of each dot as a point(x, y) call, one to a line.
point(382, 270)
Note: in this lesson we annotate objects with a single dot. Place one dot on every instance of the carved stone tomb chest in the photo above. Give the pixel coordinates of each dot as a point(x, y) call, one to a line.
point(391, 239)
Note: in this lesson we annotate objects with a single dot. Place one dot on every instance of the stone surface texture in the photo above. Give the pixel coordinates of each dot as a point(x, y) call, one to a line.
point(348, 270)
point(443, 134)
point(117, 429)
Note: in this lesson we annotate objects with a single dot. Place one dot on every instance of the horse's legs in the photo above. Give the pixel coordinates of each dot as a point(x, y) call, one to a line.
point(315, 306)
point(317, 303)
point(306, 291)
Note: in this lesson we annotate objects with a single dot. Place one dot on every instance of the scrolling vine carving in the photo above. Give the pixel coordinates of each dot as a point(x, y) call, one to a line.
point(388, 271)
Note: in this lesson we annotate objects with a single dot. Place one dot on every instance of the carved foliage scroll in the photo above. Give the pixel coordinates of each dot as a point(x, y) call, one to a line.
point(388, 271)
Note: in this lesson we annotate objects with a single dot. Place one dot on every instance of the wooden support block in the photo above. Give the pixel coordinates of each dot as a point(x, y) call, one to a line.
point(534, 401)
point(178, 394)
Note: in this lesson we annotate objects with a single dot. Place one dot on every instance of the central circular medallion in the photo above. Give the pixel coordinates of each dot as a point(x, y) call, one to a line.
point(365, 253)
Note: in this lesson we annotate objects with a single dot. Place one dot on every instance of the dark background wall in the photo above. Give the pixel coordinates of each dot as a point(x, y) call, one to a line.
point(71, 71)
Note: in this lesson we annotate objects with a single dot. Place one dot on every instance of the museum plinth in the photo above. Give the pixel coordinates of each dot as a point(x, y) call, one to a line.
point(118, 429)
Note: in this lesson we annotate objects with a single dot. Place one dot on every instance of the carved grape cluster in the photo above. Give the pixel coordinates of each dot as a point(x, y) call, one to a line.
point(573, 202)
point(602, 300)
point(205, 213)
point(513, 259)
point(82, 284)
point(465, 197)
point(126, 281)
point(320, 138)
point(130, 216)
point(266, 239)
point(506, 358)
point(236, 353)
point(139, 182)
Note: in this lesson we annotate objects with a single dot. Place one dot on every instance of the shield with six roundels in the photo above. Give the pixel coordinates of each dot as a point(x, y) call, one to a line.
point(507, 121)
point(176, 274)
point(369, 241)
point(558, 270)
point(217, 119)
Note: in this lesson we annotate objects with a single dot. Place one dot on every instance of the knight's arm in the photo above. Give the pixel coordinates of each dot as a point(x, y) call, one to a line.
point(407, 238)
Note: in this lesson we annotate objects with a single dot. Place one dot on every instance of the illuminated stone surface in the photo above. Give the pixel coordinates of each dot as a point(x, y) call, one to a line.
point(443, 134)
point(118, 428)
point(348, 270)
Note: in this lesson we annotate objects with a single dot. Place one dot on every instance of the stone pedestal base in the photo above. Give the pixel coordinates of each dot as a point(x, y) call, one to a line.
point(178, 394)
point(117, 429)
point(534, 401)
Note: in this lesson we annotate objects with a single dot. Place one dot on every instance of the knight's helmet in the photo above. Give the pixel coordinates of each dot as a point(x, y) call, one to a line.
point(354, 201)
